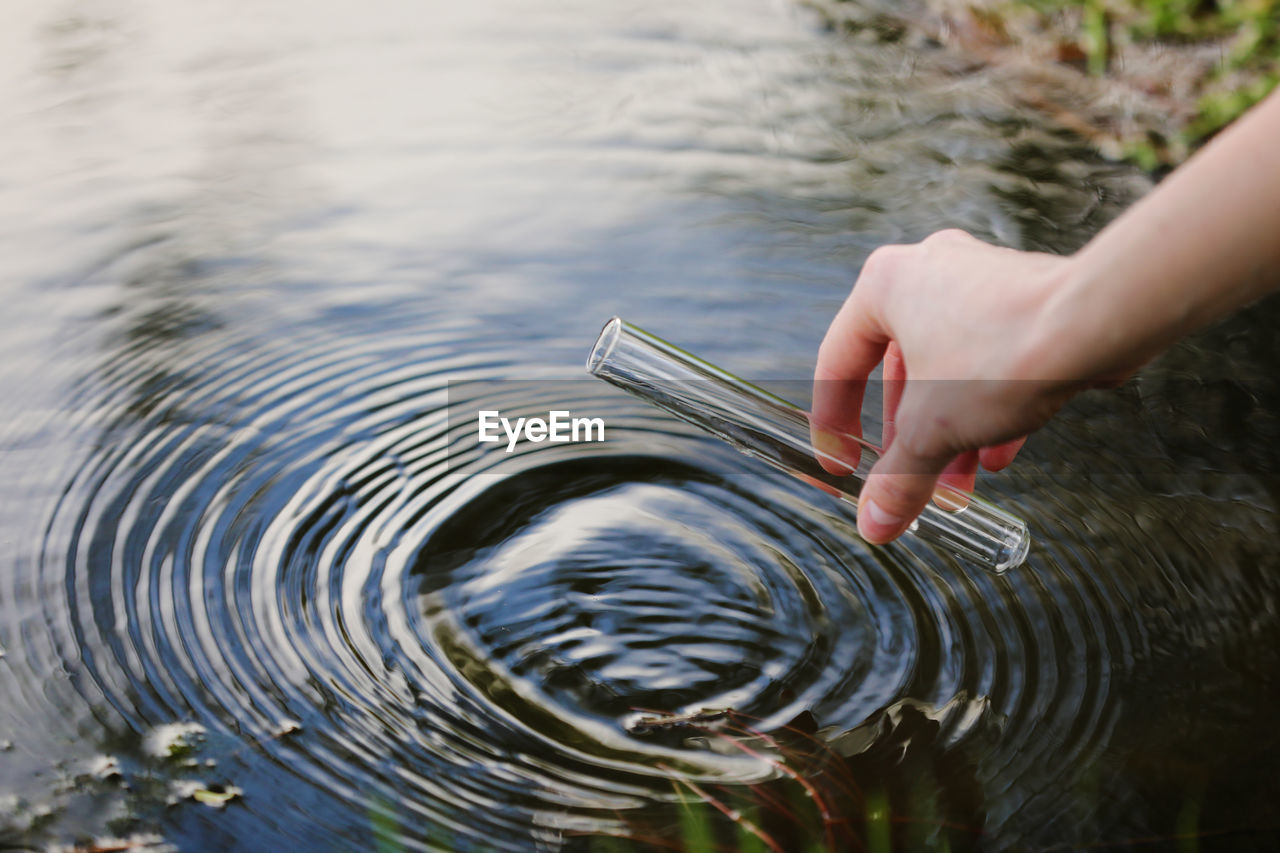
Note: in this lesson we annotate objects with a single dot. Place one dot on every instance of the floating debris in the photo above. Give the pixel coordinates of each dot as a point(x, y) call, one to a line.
point(147, 843)
point(216, 796)
point(287, 727)
point(182, 789)
point(174, 740)
point(700, 720)
point(105, 768)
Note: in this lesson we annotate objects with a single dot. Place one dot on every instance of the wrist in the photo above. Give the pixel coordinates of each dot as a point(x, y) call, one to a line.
point(1060, 328)
point(1095, 324)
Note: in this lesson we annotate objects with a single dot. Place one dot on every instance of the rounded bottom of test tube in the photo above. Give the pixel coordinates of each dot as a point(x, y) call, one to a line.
point(1014, 550)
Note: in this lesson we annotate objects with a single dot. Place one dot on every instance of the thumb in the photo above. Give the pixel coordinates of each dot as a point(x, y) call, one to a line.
point(897, 490)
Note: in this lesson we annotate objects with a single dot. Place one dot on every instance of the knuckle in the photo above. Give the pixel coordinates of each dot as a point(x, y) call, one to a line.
point(919, 445)
point(922, 438)
point(898, 495)
point(825, 369)
point(880, 263)
point(948, 235)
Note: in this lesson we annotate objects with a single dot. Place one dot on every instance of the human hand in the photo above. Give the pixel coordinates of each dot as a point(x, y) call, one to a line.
point(1019, 333)
point(961, 321)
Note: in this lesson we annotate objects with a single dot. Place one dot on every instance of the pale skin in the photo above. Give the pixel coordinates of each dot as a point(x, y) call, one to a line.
point(1027, 331)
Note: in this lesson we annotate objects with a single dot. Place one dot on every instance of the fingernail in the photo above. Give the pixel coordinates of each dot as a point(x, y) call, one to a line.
point(834, 449)
point(875, 524)
point(826, 443)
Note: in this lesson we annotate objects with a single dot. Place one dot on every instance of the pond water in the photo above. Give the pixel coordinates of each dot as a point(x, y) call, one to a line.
point(252, 599)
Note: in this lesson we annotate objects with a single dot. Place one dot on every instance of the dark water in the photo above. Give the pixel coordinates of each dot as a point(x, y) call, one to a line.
point(251, 251)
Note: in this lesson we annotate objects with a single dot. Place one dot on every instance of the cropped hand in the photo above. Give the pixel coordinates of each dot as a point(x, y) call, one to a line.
point(992, 341)
point(956, 318)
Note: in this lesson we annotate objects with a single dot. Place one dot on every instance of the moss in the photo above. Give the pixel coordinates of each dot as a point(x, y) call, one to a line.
point(1246, 33)
point(1148, 81)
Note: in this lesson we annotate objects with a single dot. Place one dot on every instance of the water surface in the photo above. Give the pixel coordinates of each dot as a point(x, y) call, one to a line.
point(252, 252)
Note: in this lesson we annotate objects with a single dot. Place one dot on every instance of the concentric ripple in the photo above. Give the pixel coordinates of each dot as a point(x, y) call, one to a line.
point(331, 573)
point(299, 547)
point(614, 585)
point(265, 266)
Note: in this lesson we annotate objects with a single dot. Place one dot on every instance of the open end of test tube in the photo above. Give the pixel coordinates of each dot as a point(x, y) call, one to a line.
point(604, 344)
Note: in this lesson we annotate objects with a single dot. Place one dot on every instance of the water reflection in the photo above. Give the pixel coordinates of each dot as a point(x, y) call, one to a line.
point(247, 251)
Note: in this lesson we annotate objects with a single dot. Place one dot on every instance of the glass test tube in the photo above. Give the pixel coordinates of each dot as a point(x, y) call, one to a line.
point(777, 432)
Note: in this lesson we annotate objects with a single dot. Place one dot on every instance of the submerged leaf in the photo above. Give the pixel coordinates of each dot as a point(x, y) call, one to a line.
point(216, 796)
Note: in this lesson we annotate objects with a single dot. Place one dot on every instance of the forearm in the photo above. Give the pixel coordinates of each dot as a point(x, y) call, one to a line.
point(1204, 242)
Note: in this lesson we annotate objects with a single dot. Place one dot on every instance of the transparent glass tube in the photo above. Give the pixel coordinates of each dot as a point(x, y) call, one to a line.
point(777, 432)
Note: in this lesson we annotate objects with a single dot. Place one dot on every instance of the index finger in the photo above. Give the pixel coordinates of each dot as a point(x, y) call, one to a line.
point(851, 349)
